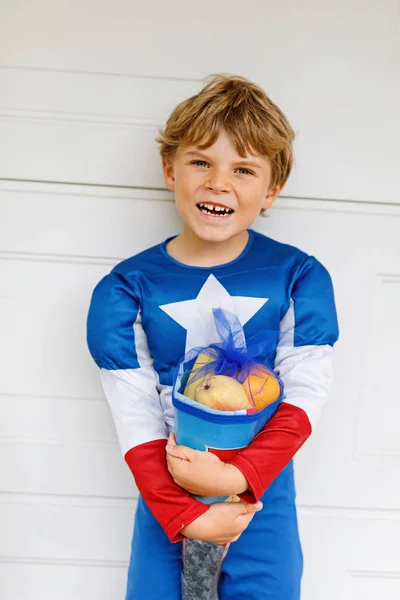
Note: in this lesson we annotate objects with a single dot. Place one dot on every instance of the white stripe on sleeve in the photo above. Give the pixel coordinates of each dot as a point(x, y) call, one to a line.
point(306, 371)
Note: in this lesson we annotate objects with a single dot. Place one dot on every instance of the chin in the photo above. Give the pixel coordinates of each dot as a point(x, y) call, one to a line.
point(216, 235)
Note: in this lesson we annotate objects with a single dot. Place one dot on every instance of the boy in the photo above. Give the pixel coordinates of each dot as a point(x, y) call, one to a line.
point(226, 155)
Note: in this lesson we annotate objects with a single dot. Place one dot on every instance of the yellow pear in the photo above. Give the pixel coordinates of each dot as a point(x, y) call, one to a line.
point(221, 393)
point(191, 385)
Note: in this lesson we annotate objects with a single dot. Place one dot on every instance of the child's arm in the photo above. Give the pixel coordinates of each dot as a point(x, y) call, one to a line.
point(304, 361)
point(118, 344)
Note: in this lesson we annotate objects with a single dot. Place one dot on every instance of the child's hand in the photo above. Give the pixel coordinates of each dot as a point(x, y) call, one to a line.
point(203, 473)
point(224, 522)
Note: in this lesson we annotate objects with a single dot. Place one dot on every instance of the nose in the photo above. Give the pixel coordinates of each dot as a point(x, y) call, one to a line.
point(218, 181)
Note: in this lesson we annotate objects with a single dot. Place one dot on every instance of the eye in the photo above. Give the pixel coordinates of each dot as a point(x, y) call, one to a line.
point(245, 171)
point(199, 163)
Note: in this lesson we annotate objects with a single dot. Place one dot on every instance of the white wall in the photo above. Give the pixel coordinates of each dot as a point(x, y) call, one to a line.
point(83, 88)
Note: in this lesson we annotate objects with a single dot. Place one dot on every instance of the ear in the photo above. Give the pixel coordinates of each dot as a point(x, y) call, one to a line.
point(271, 197)
point(169, 175)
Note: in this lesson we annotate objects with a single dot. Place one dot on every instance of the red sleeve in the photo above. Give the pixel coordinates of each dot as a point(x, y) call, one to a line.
point(272, 449)
point(173, 507)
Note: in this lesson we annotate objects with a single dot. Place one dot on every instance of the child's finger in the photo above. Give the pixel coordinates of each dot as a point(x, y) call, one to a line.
point(171, 442)
point(246, 508)
point(181, 452)
point(171, 439)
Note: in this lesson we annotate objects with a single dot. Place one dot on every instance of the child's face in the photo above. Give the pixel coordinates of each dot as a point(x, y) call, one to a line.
point(218, 193)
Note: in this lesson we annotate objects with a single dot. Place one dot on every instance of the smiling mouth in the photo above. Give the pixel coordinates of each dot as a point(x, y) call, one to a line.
point(217, 210)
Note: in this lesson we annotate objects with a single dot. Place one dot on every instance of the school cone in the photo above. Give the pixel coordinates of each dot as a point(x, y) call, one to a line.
point(202, 564)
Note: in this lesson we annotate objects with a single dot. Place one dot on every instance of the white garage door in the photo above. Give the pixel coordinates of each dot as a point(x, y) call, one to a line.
point(83, 90)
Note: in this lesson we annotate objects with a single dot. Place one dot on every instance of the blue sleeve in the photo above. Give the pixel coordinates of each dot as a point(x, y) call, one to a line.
point(110, 324)
point(315, 318)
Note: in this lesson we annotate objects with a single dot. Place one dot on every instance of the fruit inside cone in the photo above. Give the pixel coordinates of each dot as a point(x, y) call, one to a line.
point(191, 386)
point(261, 387)
point(222, 393)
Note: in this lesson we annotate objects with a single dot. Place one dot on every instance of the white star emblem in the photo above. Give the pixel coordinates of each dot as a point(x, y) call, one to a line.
point(196, 316)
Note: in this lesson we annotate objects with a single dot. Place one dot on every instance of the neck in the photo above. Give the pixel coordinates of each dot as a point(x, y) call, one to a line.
point(192, 251)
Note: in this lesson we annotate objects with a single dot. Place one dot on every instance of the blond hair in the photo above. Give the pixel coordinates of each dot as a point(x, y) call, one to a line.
point(244, 111)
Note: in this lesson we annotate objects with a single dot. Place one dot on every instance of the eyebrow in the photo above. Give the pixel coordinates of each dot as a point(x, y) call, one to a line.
point(244, 162)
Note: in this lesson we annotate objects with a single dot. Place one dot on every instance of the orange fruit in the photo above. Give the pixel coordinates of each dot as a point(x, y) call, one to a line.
point(261, 387)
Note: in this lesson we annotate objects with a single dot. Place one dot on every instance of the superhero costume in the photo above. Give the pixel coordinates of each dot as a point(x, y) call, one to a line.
point(144, 316)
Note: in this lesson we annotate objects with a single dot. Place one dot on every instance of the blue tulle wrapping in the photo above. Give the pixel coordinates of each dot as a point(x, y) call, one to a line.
point(222, 432)
point(232, 356)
